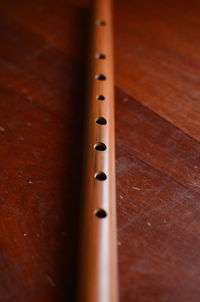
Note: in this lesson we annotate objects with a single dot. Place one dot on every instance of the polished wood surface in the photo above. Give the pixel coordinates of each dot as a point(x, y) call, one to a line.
point(98, 269)
point(43, 51)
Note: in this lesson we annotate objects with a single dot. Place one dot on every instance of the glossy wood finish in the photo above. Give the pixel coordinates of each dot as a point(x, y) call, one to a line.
point(43, 50)
point(98, 274)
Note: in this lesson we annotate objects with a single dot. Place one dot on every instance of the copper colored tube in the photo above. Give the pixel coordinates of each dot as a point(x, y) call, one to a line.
point(98, 274)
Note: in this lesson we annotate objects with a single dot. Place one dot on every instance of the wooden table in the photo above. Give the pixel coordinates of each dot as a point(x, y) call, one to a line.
point(43, 47)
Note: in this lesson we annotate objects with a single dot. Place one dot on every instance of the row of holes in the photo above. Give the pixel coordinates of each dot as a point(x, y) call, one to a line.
point(100, 213)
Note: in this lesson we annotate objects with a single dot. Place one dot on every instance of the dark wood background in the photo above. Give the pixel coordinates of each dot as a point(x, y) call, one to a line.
point(43, 50)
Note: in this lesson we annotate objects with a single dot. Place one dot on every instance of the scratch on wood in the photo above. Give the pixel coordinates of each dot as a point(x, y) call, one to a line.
point(2, 129)
point(136, 188)
point(50, 281)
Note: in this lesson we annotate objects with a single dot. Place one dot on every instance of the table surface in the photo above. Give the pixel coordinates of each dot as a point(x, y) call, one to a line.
point(43, 47)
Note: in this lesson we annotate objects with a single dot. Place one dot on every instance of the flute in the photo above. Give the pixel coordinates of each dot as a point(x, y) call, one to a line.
point(98, 278)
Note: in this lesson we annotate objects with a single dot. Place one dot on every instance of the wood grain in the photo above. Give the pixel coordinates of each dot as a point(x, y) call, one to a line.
point(42, 79)
point(157, 47)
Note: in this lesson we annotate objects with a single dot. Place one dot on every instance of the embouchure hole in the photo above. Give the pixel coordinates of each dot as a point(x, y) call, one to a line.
point(101, 120)
point(100, 213)
point(100, 176)
point(100, 56)
point(100, 146)
point(100, 77)
point(100, 22)
point(101, 97)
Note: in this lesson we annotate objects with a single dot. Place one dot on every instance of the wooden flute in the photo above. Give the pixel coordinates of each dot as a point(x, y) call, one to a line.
point(99, 274)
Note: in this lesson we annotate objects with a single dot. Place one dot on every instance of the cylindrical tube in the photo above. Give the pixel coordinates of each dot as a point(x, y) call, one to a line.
point(98, 274)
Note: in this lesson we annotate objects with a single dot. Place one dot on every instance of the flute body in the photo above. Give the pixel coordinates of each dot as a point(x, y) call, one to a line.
point(98, 274)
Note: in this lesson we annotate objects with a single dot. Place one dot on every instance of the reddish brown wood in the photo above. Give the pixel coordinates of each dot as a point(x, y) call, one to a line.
point(157, 46)
point(42, 55)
